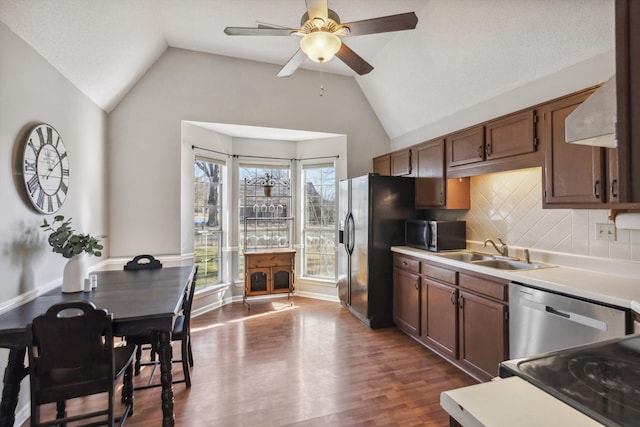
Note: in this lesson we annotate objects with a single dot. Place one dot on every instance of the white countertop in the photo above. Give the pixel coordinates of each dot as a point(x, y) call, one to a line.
point(618, 290)
point(510, 402)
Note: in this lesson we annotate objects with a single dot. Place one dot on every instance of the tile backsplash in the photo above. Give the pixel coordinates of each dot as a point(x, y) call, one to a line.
point(509, 205)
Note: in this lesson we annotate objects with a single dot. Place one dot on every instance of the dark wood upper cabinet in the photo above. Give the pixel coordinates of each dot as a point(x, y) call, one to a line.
point(627, 33)
point(382, 165)
point(511, 136)
point(430, 171)
point(433, 189)
point(401, 162)
point(466, 147)
point(573, 174)
point(397, 163)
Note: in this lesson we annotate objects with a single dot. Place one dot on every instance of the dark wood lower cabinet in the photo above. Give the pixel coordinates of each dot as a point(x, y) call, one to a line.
point(439, 316)
point(483, 324)
point(461, 315)
point(406, 301)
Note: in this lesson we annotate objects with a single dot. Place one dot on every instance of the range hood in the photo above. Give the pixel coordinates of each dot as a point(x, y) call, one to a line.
point(594, 121)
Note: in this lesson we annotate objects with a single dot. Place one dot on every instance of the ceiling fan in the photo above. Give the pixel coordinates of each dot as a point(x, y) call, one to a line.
point(321, 33)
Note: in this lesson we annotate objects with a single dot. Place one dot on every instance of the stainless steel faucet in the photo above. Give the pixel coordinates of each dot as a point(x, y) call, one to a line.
point(502, 250)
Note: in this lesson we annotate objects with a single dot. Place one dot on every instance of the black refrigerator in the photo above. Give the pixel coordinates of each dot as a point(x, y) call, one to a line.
point(373, 210)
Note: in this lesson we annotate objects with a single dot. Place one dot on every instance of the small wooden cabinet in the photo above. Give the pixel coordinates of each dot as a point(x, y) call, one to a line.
point(269, 272)
point(466, 147)
point(382, 165)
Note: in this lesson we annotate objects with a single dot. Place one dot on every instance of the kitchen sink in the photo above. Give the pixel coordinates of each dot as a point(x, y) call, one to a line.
point(507, 264)
point(466, 256)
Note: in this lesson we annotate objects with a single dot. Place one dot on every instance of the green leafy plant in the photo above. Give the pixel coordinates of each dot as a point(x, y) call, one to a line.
point(65, 241)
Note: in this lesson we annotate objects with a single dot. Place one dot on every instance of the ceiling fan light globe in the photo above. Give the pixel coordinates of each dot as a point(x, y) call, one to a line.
point(320, 46)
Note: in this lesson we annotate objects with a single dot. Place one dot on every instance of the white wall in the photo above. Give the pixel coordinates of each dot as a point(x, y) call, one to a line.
point(31, 92)
point(144, 132)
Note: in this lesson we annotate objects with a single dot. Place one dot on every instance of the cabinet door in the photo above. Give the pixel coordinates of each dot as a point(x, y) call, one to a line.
point(282, 279)
point(466, 147)
point(573, 173)
point(406, 301)
point(510, 136)
point(439, 317)
point(382, 165)
point(258, 281)
point(483, 334)
point(430, 181)
point(401, 163)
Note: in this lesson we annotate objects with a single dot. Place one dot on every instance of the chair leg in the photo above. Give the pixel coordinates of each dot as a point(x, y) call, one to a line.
point(190, 353)
point(185, 360)
point(137, 362)
point(127, 389)
point(61, 411)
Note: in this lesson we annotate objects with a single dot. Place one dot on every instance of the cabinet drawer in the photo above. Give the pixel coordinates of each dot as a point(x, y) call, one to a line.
point(439, 273)
point(406, 263)
point(486, 287)
point(269, 260)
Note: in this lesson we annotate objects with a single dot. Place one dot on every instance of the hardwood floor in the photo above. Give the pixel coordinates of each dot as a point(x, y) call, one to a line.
point(310, 364)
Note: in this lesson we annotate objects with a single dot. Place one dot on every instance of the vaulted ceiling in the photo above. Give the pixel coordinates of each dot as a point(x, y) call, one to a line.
point(461, 53)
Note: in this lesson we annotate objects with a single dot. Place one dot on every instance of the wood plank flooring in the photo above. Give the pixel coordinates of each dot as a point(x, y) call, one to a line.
point(310, 364)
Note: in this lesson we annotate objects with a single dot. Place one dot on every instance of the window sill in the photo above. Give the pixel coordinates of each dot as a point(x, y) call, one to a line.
point(320, 282)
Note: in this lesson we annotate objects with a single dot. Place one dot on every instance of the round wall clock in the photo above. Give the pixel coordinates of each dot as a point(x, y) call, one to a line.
point(45, 168)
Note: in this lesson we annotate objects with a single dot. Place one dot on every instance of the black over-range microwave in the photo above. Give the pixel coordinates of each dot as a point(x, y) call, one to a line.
point(436, 236)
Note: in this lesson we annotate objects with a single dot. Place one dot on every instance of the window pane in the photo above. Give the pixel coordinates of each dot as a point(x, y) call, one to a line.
point(207, 220)
point(319, 221)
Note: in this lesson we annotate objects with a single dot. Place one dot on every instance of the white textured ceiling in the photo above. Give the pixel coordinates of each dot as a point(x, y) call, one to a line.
point(461, 53)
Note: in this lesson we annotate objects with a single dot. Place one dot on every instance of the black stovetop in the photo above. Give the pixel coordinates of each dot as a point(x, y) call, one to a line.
point(601, 380)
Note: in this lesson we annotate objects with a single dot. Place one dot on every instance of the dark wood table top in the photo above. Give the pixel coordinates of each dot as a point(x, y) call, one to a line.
point(140, 301)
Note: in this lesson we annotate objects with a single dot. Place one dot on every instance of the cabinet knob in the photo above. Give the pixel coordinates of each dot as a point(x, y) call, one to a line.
point(405, 263)
point(460, 300)
point(596, 189)
point(441, 197)
point(453, 297)
point(488, 150)
point(480, 151)
point(417, 284)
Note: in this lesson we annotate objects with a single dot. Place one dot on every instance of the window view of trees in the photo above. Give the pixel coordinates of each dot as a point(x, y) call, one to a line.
point(207, 219)
point(319, 221)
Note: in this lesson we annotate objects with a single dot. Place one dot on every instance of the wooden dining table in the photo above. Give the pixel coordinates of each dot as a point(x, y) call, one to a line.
point(143, 302)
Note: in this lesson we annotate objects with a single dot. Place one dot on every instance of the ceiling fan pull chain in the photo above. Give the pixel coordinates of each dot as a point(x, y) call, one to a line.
point(321, 83)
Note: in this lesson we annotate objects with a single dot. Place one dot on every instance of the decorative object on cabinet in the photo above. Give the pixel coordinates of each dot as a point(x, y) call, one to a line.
point(268, 231)
point(45, 169)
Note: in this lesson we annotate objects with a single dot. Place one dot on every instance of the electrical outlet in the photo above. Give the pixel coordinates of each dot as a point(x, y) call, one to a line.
point(606, 232)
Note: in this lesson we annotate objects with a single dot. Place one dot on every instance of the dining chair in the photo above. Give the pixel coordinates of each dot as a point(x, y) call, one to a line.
point(181, 332)
point(72, 355)
point(142, 262)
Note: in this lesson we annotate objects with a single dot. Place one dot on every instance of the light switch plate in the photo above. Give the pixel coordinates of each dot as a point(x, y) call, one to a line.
point(606, 232)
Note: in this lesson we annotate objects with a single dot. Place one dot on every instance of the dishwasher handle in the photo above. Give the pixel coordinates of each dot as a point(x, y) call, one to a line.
point(570, 316)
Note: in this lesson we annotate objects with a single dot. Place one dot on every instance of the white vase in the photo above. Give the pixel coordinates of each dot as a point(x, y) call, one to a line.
point(75, 272)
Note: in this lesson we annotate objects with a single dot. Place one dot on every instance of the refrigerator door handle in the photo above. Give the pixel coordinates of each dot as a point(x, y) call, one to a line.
point(350, 228)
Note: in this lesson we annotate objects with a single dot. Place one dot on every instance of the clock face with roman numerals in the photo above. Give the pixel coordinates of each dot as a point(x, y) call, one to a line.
point(45, 168)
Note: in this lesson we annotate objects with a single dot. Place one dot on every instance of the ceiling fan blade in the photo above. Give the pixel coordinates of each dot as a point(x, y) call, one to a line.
point(292, 65)
point(261, 24)
point(317, 8)
point(260, 31)
point(383, 24)
point(353, 60)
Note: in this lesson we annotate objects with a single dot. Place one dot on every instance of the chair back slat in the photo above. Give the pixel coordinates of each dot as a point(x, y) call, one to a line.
point(72, 335)
point(143, 262)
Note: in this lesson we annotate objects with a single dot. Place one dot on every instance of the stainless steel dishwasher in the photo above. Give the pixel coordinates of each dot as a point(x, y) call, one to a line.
point(542, 321)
